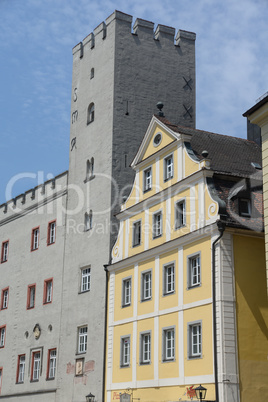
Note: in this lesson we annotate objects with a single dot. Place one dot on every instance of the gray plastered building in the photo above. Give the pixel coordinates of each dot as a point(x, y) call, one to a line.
point(120, 72)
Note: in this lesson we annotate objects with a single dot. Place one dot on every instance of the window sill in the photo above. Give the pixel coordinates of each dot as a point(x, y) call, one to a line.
point(194, 357)
point(169, 178)
point(180, 227)
point(80, 353)
point(34, 249)
point(169, 293)
point(89, 178)
point(19, 382)
point(157, 237)
point(50, 244)
point(136, 245)
point(83, 291)
point(145, 300)
point(34, 380)
point(146, 191)
point(194, 286)
point(2, 262)
point(45, 303)
point(145, 363)
point(168, 361)
point(125, 366)
point(126, 305)
point(50, 379)
point(30, 308)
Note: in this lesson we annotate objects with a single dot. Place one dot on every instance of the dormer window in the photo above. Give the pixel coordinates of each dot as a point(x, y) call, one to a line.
point(244, 207)
point(147, 179)
point(90, 113)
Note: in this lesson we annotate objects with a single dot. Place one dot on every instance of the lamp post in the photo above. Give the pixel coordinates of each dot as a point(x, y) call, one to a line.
point(90, 397)
point(200, 392)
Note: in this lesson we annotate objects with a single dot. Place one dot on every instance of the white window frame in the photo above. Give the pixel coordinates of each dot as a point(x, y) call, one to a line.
point(82, 339)
point(126, 291)
point(194, 339)
point(21, 369)
point(2, 336)
point(169, 278)
point(169, 344)
point(194, 271)
point(5, 251)
point(85, 279)
point(147, 180)
point(36, 361)
point(49, 288)
point(125, 351)
point(146, 285)
point(136, 236)
point(52, 232)
point(31, 296)
point(52, 363)
point(5, 298)
point(157, 226)
point(35, 239)
point(145, 348)
point(180, 215)
point(168, 167)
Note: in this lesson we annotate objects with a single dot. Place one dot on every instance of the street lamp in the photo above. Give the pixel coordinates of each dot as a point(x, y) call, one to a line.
point(200, 392)
point(90, 397)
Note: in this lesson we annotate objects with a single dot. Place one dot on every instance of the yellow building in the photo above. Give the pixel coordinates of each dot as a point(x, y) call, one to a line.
point(186, 304)
point(258, 114)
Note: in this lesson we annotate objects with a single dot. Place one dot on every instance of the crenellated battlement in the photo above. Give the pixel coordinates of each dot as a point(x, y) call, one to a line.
point(34, 197)
point(141, 28)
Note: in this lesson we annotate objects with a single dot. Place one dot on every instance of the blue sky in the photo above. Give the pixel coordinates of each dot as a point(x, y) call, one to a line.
point(36, 40)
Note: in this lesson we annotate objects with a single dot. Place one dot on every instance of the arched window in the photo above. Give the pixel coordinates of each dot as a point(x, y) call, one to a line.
point(90, 113)
point(88, 220)
point(89, 170)
point(92, 73)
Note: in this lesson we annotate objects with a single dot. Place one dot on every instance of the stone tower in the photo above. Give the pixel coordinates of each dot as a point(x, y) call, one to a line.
point(118, 77)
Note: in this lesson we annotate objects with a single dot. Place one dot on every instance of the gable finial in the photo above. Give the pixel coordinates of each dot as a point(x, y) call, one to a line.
point(160, 106)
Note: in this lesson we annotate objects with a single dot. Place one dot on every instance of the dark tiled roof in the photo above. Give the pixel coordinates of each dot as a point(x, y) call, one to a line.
point(228, 155)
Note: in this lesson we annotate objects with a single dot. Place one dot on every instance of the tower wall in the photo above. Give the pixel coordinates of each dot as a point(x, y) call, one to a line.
point(132, 72)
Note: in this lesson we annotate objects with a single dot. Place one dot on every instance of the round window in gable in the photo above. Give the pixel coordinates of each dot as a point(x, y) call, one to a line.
point(157, 139)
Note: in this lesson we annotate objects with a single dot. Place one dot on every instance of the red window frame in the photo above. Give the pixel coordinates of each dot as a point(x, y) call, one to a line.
point(48, 361)
point(18, 369)
point(32, 364)
point(32, 238)
point(2, 298)
point(3, 326)
point(45, 291)
point(1, 378)
point(2, 251)
point(33, 285)
point(49, 243)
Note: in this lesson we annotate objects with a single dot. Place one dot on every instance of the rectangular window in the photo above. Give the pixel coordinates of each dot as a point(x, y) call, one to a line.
point(51, 367)
point(169, 344)
point(36, 365)
point(1, 375)
point(147, 179)
point(157, 225)
point(21, 369)
point(48, 288)
point(145, 348)
point(146, 285)
point(194, 271)
point(168, 167)
point(195, 346)
point(2, 336)
point(180, 219)
point(31, 296)
point(4, 251)
point(169, 279)
point(82, 339)
point(126, 292)
point(85, 279)
point(244, 207)
point(4, 298)
point(136, 233)
point(35, 239)
point(51, 233)
point(125, 351)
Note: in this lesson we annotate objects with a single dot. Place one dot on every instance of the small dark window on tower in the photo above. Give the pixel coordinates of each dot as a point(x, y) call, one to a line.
point(89, 170)
point(244, 207)
point(92, 73)
point(90, 113)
